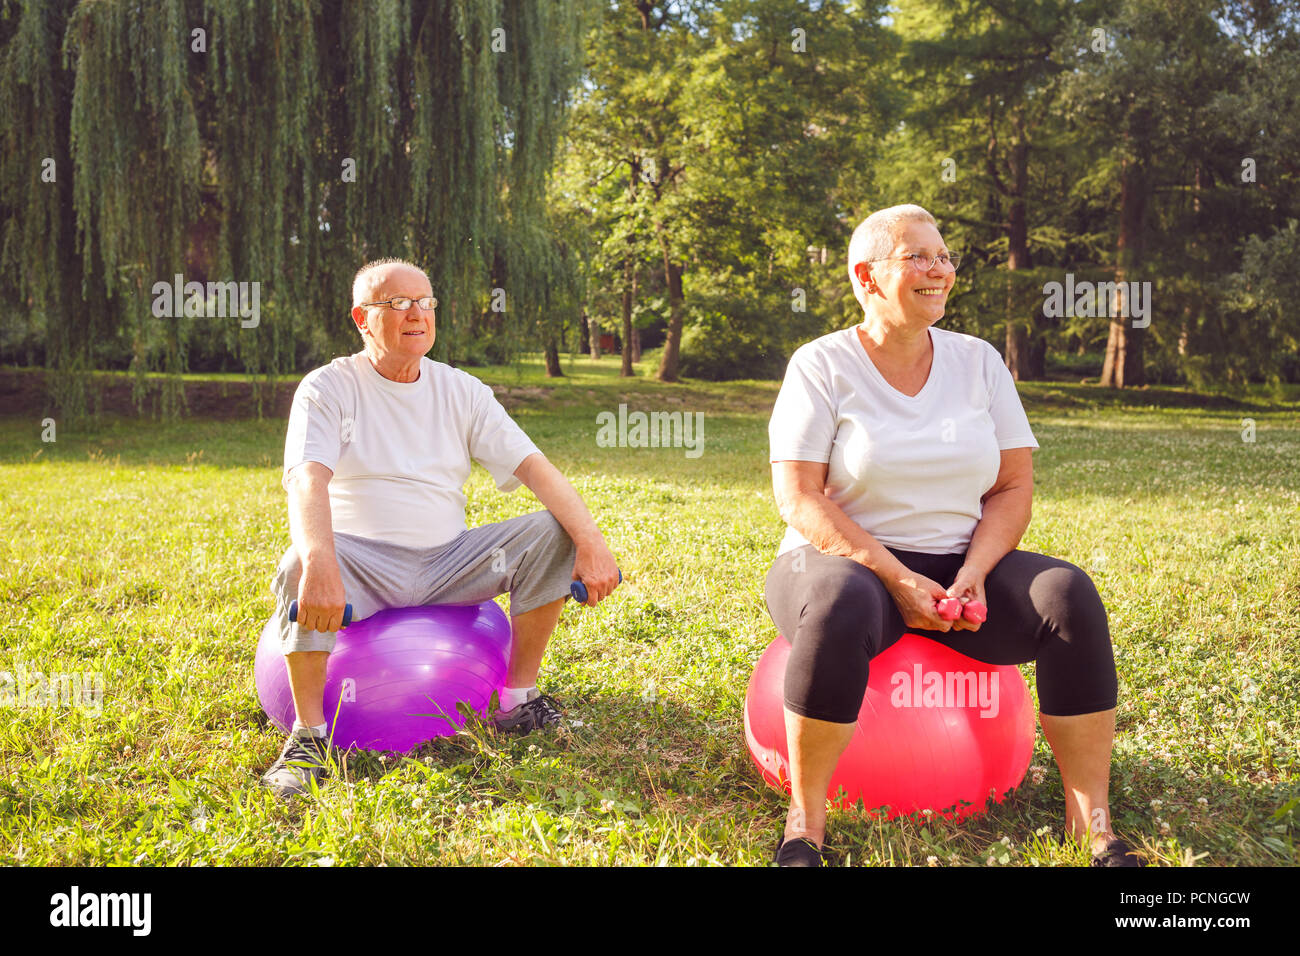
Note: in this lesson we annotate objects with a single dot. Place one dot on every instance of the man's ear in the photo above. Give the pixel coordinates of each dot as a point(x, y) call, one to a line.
point(359, 317)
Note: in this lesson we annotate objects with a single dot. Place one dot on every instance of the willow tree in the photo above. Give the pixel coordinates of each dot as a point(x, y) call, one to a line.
point(281, 142)
point(40, 272)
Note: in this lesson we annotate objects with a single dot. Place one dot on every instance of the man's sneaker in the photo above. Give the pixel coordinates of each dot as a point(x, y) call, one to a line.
point(540, 713)
point(303, 757)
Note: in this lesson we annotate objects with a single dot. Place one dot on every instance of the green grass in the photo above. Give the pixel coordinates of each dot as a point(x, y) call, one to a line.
point(143, 550)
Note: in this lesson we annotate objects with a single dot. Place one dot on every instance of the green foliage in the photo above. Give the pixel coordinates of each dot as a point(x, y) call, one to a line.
point(286, 145)
point(716, 142)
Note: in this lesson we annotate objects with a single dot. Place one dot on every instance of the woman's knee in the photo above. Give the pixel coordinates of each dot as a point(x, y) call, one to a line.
point(1066, 596)
point(844, 605)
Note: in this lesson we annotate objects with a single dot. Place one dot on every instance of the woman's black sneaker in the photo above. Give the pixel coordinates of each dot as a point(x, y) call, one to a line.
point(800, 852)
point(1116, 853)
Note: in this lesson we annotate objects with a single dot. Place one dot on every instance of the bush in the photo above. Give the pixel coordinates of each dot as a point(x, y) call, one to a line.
point(718, 354)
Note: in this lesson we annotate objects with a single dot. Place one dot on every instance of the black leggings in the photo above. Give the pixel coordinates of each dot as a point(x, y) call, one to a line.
point(837, 615)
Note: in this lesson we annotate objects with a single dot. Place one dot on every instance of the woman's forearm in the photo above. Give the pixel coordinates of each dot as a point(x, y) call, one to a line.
point(827, 528)
point(1003, 524)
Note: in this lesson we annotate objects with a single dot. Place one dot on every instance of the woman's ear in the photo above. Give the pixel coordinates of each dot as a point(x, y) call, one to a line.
point(863, 271)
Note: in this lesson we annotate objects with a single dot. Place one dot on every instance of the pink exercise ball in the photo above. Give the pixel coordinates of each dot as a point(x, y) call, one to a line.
point(937, 731)
point(396, 678)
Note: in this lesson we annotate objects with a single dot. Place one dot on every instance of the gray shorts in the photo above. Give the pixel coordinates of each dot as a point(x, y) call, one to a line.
point(530, 557)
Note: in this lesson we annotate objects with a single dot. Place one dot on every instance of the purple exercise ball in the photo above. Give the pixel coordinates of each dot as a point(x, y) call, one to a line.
point(396, 677)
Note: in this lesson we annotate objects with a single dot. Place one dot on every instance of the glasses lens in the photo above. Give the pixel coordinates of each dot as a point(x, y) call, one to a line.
point(955, 259)
point(428, 303)
point(401, 303)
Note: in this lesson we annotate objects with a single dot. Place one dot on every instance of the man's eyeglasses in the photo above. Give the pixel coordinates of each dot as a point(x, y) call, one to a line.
point(401, 303)
point(924, 263)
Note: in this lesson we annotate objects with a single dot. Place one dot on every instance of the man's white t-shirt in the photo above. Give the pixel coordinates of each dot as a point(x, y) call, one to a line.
point(401, 451)
point(908, 470)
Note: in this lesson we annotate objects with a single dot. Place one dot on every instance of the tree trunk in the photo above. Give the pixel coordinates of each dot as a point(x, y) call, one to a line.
point(584, 342)
point(673, 342)
point(1123, 367)
point(553, 369)
point(1025, 354)
point(1017, 346)
point(636, 345)
point(593, 331)
point(629, 293)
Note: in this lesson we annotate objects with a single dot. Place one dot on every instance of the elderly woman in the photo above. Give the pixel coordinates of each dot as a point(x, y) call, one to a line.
point(902, 465)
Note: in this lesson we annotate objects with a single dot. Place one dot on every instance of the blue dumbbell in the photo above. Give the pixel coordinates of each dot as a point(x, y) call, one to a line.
point(347, 613)
point(578, 590)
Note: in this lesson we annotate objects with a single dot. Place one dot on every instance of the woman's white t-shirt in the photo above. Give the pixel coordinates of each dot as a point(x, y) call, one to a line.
point(401, 451)
point(908, 470)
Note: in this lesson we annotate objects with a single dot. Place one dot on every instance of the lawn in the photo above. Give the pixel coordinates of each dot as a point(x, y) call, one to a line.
point(141, 551)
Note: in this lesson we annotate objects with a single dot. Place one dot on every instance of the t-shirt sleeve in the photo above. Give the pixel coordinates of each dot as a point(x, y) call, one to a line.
point(315, 429)
point(1010, 424)
point(802, 427)
point(495, 441)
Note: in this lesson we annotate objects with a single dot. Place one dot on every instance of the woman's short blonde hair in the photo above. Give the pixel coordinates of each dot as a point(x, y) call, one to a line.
point(877, 235)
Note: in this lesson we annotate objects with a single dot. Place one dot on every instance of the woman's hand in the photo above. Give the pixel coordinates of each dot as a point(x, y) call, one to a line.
point(967, 586)
point(916, 597)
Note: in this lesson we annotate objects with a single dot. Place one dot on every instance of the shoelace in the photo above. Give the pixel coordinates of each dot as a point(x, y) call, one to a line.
point(542, 710)
point(304, 752)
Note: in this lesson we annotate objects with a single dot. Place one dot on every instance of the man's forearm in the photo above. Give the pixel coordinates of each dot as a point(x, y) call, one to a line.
point(310, 525)
point(559, 498)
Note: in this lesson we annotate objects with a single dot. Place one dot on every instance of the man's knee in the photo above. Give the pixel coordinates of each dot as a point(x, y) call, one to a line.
point(287, 574)
point(550, 531)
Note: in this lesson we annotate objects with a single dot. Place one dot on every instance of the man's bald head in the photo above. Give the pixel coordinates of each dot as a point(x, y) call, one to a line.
point(372, 276)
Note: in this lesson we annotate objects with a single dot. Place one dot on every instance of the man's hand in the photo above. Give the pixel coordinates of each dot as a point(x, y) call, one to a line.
point(320, 597)
point(596, 568)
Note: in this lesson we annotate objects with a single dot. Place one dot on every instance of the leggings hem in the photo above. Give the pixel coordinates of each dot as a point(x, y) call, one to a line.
point(812, 714)
point(1080, 710)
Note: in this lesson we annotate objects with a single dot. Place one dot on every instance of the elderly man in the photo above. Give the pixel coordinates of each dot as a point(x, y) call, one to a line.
point(379, 446)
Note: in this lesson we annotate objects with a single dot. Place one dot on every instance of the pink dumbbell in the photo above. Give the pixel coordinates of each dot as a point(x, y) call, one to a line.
point(949, 609)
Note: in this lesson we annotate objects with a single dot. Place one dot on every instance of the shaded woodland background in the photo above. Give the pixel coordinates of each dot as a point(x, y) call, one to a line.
point(679, 175)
